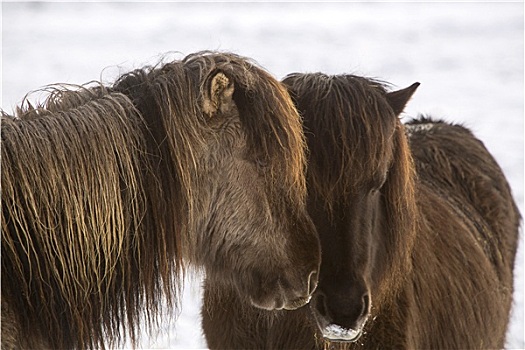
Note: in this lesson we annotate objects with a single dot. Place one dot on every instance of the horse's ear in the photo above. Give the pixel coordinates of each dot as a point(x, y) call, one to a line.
point(218, 94)
point(398, 99)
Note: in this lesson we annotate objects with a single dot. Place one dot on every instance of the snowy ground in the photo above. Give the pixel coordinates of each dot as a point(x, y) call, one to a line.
point(468, 57)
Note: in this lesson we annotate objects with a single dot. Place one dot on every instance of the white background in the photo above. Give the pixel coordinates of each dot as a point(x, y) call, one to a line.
point(467, 56)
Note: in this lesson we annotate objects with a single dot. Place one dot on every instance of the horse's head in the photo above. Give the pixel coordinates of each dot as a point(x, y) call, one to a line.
point(258, 235)
point(249, 189)
point(352, 131)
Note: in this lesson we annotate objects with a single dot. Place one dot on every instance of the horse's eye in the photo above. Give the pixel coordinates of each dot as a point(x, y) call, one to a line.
point(376, 186)
point(261, 163)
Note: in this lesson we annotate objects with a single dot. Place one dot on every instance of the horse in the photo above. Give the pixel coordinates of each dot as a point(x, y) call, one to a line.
point(418, 231)
point(111, 192)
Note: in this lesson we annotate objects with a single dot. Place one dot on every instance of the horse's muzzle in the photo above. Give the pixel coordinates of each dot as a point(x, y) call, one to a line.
point(337, 326)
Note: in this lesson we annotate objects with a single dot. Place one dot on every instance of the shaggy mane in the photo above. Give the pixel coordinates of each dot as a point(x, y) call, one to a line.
point(351, 107)
point(61, 204)
point(262, 103)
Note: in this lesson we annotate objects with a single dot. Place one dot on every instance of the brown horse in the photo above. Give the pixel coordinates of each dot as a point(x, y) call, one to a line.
point(418, 232)
point(109, 192)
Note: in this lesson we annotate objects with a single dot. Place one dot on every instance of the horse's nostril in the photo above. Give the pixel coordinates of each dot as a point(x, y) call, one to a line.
point(312, 281)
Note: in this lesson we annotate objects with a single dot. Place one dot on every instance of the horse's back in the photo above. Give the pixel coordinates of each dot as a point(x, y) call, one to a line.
point(470, 217)
point(460, 167)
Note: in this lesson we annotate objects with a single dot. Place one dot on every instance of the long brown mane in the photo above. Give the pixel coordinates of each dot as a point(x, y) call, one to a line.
point(93, 242)
point(336, 139)
point(261, 100)
point(48, 186)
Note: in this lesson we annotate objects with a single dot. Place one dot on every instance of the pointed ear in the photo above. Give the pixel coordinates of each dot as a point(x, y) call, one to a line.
point(218, 96)
point(398, 99)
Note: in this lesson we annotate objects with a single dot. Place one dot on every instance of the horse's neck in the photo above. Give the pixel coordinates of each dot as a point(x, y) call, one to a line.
point(380, 225)
point(389, 276)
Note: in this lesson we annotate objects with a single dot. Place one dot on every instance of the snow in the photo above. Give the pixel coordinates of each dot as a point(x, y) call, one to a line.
point(468, 57)
point(336, 332)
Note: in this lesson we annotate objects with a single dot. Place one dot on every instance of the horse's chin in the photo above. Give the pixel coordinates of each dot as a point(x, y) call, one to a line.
point(334, 332)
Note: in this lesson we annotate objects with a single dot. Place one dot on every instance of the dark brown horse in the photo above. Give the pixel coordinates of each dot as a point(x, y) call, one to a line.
point(109, 192)
point(418, 232)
